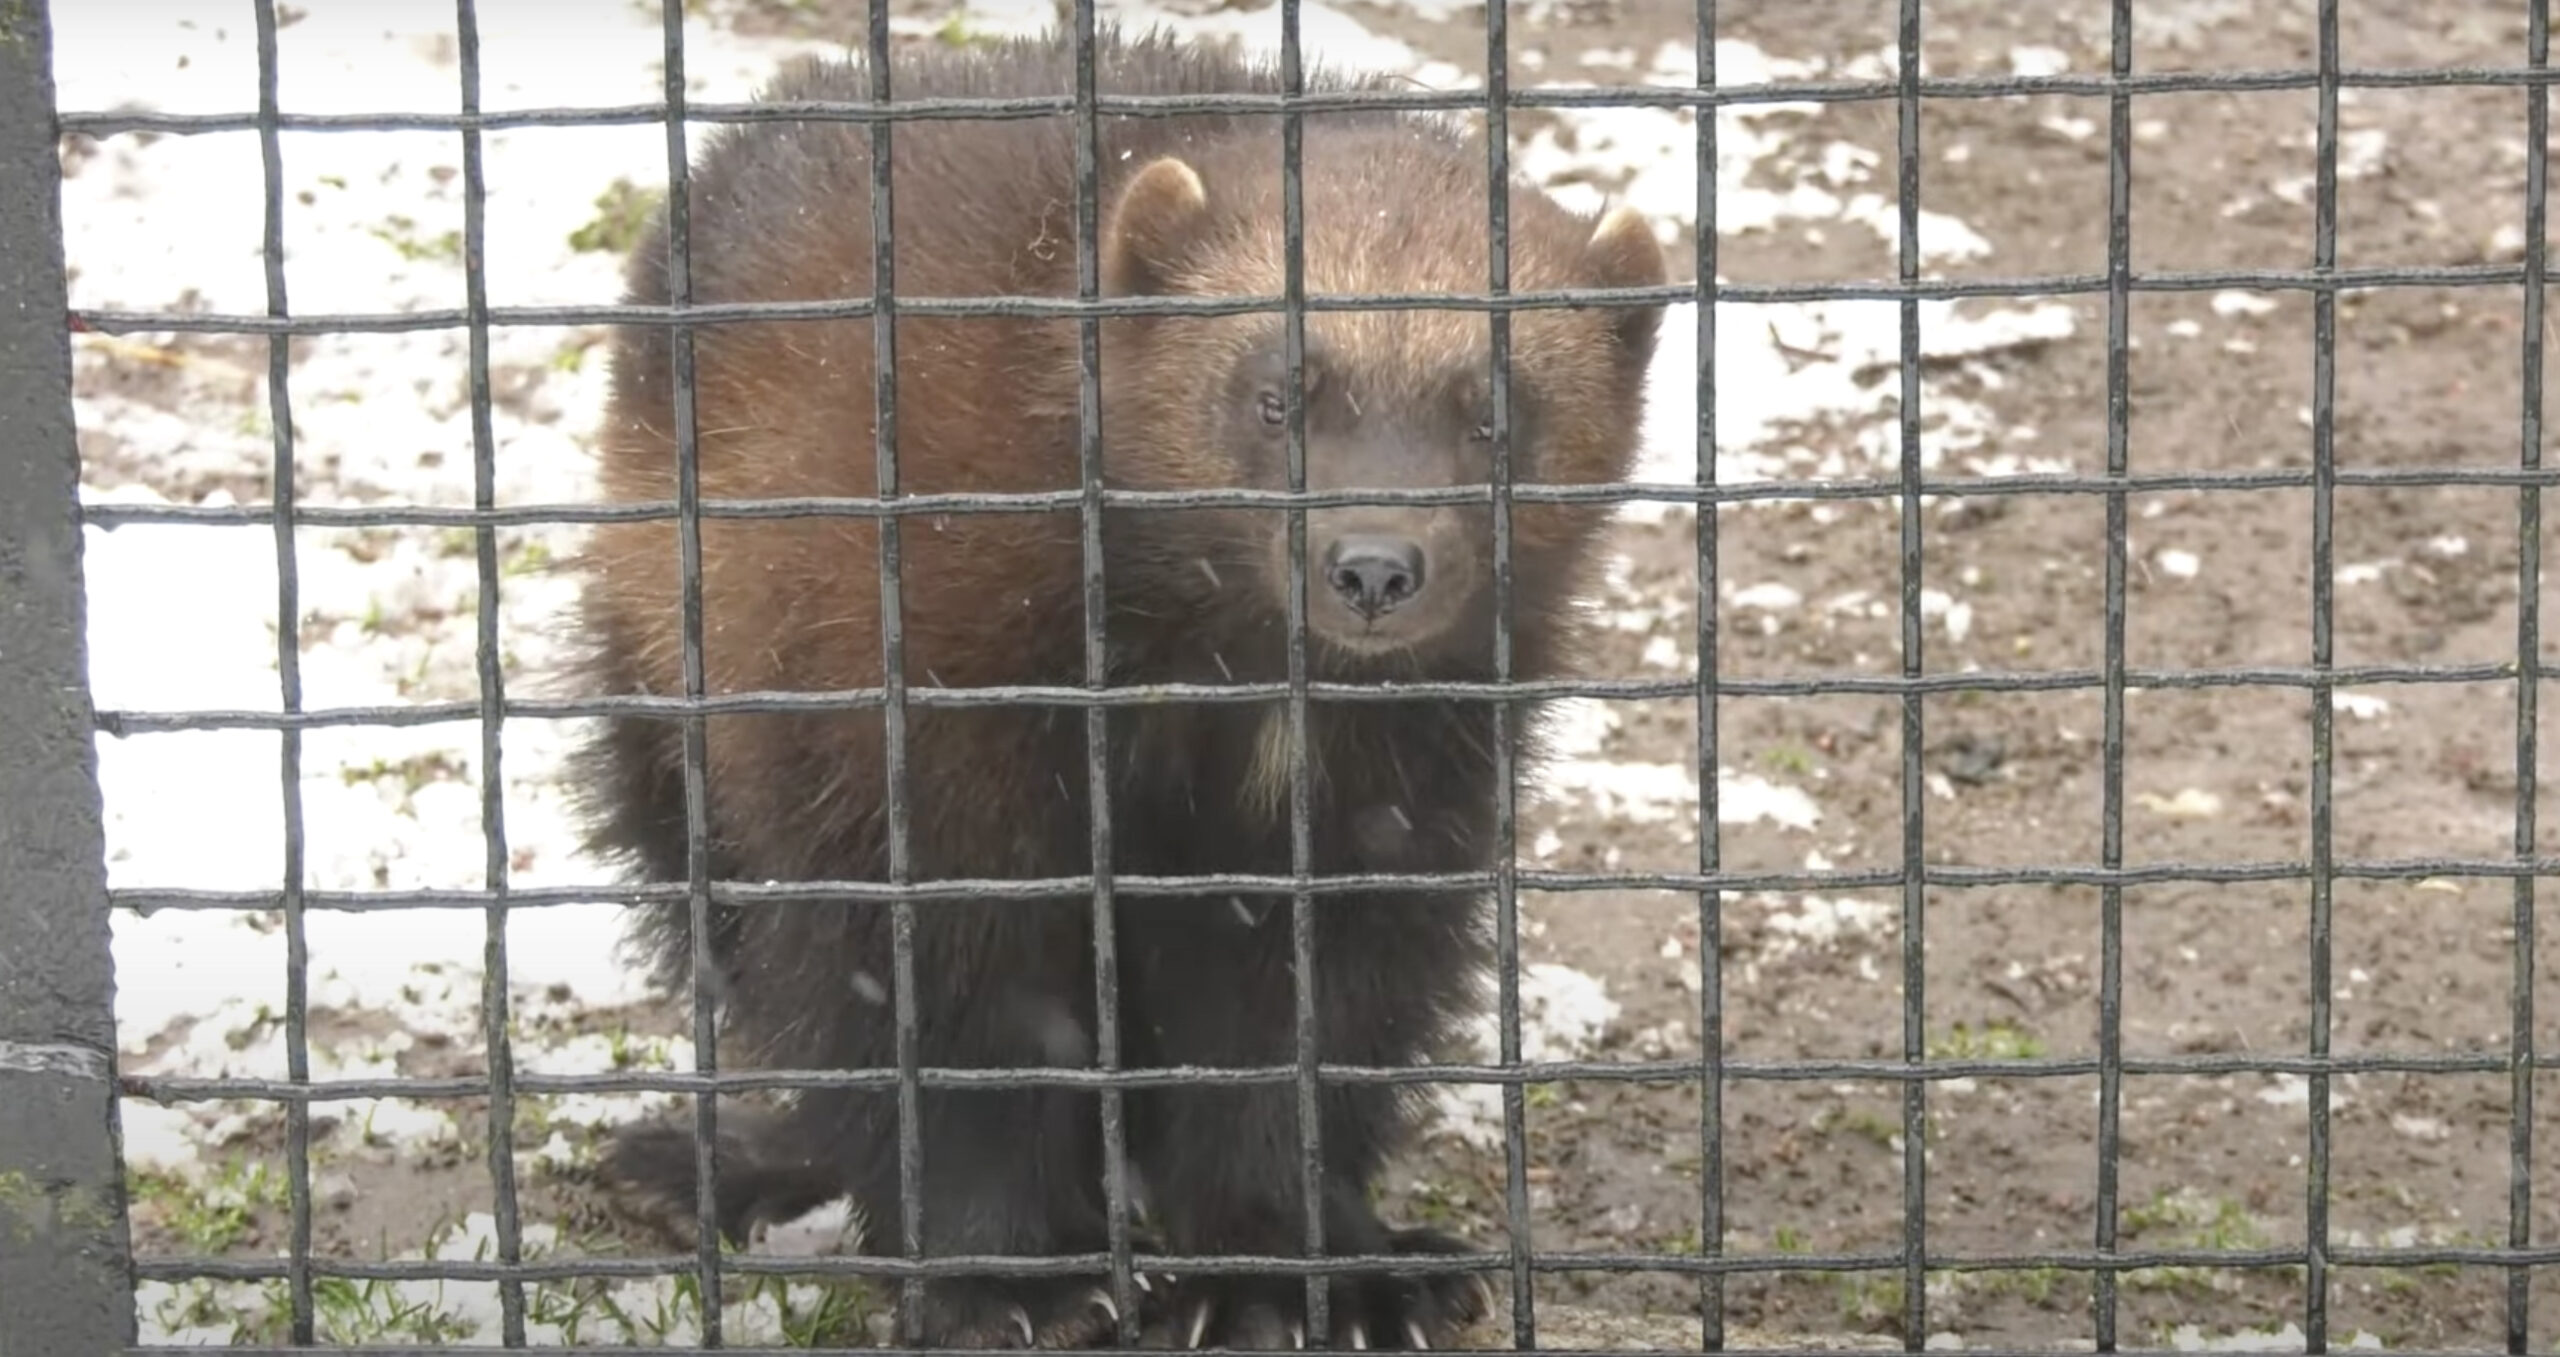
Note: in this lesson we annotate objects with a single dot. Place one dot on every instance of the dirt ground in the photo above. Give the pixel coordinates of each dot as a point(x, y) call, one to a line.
point(2425, 378)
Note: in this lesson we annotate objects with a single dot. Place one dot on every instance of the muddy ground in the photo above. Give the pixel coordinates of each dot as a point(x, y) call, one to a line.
point(2425, 378)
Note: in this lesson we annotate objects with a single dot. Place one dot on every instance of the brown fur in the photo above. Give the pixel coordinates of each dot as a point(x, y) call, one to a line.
point(1192, 205)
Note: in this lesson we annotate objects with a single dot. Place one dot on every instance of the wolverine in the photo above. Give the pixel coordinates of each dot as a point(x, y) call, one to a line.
point(1192, 205)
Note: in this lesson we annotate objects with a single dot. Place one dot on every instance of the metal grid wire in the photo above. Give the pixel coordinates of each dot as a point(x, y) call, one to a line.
point(75, 1309)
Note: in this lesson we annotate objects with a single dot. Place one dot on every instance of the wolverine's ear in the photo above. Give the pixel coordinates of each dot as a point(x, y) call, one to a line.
point(1623, 252)
point(1147, 229)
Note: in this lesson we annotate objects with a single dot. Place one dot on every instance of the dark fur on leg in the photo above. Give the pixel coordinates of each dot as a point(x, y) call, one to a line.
point(1370, 1311)
point(767, 1175)
point(1226, 1161)
point(653, 1168)
point(1006, 1172)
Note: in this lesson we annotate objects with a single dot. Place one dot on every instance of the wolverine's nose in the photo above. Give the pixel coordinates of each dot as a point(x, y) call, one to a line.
point(1375, 575)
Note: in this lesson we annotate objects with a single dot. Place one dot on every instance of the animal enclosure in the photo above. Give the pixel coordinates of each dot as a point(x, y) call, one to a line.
point(2046, 855)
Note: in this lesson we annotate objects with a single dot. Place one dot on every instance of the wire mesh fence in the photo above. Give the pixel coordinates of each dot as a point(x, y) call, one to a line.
point(65, 1280)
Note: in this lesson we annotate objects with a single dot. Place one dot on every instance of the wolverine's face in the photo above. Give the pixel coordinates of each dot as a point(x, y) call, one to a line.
point(1392, 400)
point(1391, 403)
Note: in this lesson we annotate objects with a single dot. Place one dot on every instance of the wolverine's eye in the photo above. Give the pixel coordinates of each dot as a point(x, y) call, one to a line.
point(1275, 411)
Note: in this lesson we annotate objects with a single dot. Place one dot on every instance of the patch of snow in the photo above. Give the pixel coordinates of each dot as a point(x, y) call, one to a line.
point(2294, 1090)
point(1769, 597)
point(1324, 32)
point(2190, 803)
point(1612, 789)
point(2034, 61)
point(1564, 1015)
point(1795, 923)
point(2191, 1338)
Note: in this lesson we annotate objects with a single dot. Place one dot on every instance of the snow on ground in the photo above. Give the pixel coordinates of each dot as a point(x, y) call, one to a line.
point(183, 617)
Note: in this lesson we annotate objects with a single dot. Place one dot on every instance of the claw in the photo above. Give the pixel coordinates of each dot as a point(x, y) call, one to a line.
point(1484, 1293)
point(1359, 1336)
point(1298, 1336)
point(1143, 1284)
point(1413, 1331)
point(1199, 1325)
point(1022, 1321)
point(1102, 1301)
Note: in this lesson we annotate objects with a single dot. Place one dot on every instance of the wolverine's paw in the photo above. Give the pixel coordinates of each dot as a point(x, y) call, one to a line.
point(650, 1171)
point(1042, 1312)
point(1269, 1313)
